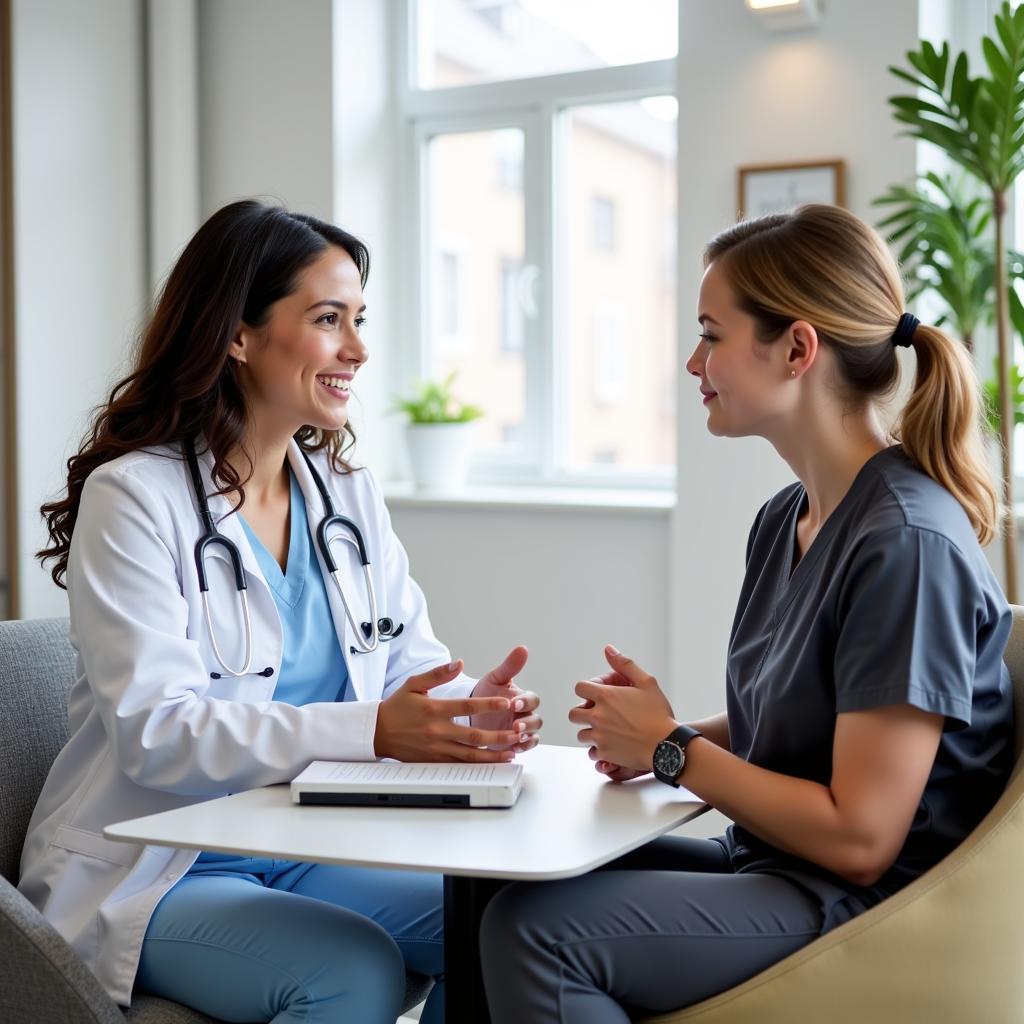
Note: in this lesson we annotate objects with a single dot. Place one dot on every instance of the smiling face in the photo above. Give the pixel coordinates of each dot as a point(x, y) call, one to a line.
point(297, 367)
point(742, 381)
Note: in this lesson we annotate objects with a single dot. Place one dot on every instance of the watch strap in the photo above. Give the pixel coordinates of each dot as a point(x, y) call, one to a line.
point(682, 735)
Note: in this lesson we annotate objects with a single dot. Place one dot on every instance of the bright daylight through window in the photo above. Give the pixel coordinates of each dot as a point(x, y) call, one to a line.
point(544, 141)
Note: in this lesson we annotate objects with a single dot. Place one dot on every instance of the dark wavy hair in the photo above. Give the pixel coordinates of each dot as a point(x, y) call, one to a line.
point(246, 257)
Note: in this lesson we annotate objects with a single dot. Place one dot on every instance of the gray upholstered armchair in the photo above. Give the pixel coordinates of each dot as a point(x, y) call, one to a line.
point(42, 980)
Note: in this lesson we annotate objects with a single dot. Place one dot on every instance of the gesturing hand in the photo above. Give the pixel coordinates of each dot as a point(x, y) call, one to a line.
point(625, 715)
point(413, 726)
point(522, 704)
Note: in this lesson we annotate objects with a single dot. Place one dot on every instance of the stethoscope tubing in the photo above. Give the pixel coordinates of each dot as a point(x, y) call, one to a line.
point(367, 636)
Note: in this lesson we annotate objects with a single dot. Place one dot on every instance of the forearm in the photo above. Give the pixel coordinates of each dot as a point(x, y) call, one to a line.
point(854, 827)
point(715, 728)
point(795, 815)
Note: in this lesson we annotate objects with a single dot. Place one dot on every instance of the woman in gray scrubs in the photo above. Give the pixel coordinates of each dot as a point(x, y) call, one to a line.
point(869, 713)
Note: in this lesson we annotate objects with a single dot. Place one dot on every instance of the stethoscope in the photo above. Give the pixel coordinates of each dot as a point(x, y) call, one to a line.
point(367, 635)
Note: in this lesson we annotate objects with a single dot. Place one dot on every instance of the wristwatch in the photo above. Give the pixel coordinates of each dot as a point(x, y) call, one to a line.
point(670, 755)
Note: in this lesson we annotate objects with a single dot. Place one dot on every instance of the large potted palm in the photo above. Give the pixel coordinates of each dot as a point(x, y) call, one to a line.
point(978, 122)
point(942, 230)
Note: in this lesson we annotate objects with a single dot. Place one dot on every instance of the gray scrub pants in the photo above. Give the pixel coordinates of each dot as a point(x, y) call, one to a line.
point(661, 928)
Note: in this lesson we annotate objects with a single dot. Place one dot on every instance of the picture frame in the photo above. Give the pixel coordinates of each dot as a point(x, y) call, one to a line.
point(778, 188)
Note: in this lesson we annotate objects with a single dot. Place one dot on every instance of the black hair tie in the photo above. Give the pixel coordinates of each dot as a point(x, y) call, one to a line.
point(903, 336)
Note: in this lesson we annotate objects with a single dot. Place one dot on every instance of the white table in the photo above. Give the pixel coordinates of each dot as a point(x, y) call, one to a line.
point(567, 821)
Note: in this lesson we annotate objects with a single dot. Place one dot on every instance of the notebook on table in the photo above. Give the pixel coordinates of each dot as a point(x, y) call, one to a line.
point(392, 783)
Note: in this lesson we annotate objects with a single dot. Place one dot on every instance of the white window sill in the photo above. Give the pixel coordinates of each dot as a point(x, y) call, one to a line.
point(399, 494)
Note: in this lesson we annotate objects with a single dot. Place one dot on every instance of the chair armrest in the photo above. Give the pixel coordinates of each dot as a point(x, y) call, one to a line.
point(44, 979)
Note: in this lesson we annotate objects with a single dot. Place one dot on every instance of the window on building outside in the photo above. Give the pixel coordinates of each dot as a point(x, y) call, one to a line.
point(603, 223)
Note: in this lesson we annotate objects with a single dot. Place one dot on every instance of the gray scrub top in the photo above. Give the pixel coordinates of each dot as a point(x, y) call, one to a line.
point(893, 603)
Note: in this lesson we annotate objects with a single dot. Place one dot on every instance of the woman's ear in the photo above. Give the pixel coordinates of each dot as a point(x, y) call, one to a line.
point(801, 348)
point(239, 346)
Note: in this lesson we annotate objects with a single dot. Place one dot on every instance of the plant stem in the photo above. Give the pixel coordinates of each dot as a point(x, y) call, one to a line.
point(1006, 409)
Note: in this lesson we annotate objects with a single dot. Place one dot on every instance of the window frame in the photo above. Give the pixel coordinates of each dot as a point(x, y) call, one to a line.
point(535, 105)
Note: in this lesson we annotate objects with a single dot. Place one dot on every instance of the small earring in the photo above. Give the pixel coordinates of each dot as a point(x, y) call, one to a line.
point(792, 373)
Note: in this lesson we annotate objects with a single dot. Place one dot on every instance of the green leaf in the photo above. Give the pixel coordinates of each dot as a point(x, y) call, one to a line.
point(991, 397)
point(435, 403)
point(960, 86)
point(996, 61)
point(914, 80)
point(916, 105)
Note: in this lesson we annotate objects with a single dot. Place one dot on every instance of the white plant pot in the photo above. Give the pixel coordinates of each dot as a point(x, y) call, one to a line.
point(439, 454)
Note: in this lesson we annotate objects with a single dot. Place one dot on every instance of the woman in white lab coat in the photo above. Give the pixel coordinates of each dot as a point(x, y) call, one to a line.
point(249, 354)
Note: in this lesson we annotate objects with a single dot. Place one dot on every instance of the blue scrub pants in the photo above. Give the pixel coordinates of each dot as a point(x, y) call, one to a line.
point(254, 939)
point(657, 930)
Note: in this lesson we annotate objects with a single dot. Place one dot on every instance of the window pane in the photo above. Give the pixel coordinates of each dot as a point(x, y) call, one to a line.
point(619, 199)
point(466, 41)
point(476, 284)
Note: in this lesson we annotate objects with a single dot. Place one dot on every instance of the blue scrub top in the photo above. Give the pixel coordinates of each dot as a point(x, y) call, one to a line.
point(313, 666)
point(893, 603)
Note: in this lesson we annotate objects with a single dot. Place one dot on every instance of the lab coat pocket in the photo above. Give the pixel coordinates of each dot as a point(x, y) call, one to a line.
point(84, 870)
point(91, 844)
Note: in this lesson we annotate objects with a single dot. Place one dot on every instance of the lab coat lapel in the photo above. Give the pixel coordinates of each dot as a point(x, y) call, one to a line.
point(344, 557)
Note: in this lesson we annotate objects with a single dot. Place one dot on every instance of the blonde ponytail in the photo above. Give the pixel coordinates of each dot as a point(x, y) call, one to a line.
point(940, 428)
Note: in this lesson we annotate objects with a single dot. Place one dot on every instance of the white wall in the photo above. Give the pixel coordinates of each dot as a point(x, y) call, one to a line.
point(266, 110)
point(80, 257)
point(366, 172)
point(172, 54)
point(749, 96)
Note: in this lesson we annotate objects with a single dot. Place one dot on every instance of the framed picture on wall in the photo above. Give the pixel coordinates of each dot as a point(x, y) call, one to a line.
point(776, 188)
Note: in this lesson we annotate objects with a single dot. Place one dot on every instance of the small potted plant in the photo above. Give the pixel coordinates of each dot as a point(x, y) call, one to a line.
point(439, 434)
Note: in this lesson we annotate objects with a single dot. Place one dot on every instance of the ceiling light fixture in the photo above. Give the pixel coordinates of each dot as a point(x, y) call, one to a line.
point(781, 15)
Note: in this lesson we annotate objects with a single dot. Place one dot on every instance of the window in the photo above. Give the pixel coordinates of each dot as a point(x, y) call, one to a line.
point(473, 41)
point(452, 309)
point(603, 221)
point(508, 152)
point(477, 317)
point(449, 293)
point(511, 309)
point(560, 190)
point(609, 361)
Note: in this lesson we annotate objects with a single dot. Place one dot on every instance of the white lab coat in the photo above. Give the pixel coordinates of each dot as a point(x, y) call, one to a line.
point(151, 729)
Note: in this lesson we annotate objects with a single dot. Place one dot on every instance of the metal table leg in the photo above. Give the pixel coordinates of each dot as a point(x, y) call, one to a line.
point(464, 903)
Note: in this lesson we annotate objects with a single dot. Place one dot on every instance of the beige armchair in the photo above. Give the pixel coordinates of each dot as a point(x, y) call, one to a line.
point(948, 949)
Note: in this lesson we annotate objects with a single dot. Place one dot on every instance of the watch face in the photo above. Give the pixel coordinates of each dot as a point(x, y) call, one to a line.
point(668, 759)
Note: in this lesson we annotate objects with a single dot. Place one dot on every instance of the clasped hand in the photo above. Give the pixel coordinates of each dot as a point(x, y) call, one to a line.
point(413, 726)
point(625, 715)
